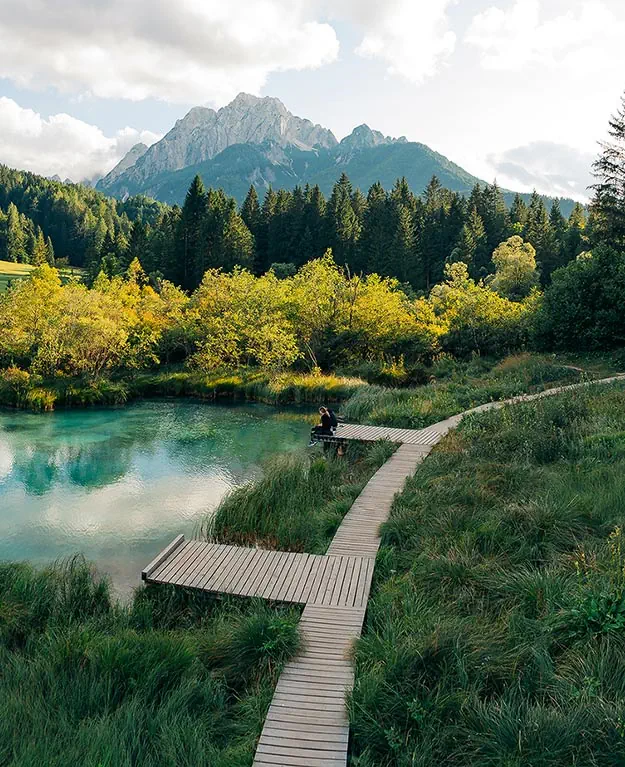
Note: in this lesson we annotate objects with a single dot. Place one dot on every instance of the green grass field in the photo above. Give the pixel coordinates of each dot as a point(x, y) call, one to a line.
point(11, 271)
point(495, 634)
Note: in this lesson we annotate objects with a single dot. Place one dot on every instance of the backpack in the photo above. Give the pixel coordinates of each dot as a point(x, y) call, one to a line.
point(333, 422)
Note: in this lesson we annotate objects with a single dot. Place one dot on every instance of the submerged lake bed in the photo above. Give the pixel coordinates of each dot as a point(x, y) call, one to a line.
point(117, 484)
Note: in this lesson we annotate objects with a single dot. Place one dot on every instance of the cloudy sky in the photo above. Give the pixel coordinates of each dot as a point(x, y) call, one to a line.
point(518, 90)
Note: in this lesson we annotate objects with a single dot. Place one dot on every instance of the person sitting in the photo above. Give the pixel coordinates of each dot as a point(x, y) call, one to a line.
point(324, 428)
point(333, 420)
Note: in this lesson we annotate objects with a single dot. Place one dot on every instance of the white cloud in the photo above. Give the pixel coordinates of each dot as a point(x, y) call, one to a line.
point(584, 34)
point(197, 51)
point(412, 38)
point(554, 169)
point(191, 51)
point(61, 145)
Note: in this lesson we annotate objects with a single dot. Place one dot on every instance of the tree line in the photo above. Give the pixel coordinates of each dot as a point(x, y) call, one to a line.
point(78, 225)
point(394, 233)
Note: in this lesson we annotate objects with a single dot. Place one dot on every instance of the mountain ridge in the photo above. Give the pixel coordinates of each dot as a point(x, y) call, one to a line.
point(256, 140)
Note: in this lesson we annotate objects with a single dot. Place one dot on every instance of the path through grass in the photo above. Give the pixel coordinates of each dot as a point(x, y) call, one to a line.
point(496, 629)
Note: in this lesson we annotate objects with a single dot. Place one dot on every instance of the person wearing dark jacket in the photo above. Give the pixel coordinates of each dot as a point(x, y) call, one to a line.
point(333, 419)
point(324, 427)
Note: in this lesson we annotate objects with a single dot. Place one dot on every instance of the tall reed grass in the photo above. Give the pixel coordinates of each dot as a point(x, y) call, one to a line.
point(496, 630)
point(299, 502)
point(174, 678)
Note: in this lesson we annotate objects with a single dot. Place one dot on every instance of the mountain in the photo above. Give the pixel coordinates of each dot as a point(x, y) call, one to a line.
point(204, 133)
point(258, 141)
point(128, 161)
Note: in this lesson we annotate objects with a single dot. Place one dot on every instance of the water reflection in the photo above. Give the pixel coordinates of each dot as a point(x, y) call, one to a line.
point(117, 484)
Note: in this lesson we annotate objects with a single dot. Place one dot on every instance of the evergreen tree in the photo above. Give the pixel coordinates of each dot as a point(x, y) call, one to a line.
point(518, 215)
point(237, 243)
point(280, 229)
point(555, 245)
point(250, 211)
point(431, 236)
point(40, 250)
point(315, 222)
point(343, 225)
point(359, 204)
point(191, 255)
point(138, 245)
point(537, 229)
point(479, 240)
point(50, 252)
point(465, 248)
point(402, 247)
point(608, 205)
point(263, 256)
point(373, 253)
point(403, 195)
point(15, 237)
point(455, 217)
point(575, 239)
point(494, 216)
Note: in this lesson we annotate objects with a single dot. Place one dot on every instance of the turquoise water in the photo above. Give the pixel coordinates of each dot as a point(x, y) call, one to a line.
point(118, 484)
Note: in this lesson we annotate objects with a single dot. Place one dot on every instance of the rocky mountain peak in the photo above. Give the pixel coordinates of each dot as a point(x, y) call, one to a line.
point(203, 133)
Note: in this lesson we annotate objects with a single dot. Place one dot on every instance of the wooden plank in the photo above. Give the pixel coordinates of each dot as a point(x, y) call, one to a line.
point(281, 571)
point(204, 577)
point(303, 587)
point(210, 555)
point(160, 558)
point(242, 565)
point(228, 569)
point(189, 566)
point(172, 565)
point(270, 564)
point(244, 584)
point(290, 589)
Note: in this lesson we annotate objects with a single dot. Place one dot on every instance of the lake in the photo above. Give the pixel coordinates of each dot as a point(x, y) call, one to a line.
point(118, 484)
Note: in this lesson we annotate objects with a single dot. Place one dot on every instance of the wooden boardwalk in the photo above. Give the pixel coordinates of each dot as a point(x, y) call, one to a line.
point(280, 576)
point(307, 724)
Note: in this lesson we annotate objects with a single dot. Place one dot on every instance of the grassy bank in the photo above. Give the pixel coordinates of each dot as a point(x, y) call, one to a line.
point(449, 387)
point(457, 386)
point(172, 678)
point(496, 629)
point(299, 502)
point(30, 392)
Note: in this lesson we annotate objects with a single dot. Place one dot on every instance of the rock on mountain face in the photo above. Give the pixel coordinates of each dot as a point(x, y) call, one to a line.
point(203, 133)
point(362, 138)
point(129, 159)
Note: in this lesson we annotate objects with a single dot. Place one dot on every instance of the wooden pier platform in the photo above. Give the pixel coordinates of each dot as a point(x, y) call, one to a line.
point(307, 724)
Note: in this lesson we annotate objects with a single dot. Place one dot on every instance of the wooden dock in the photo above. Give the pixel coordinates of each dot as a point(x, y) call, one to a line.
point(307, 724)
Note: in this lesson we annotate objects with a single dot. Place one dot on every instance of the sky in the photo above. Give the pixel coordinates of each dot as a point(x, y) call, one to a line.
point(514, 90)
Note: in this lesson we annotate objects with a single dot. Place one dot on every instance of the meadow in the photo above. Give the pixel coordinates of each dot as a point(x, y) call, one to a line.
point(9, 270)
point(495, 630)
point(494, 634)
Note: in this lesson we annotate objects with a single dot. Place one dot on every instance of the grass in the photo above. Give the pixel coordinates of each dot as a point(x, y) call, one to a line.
point(174, 678)
point(451, 386)
point(495, 634)
point(457, 386)
point(10, 270)
point(299, 502)
point(29, 392)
